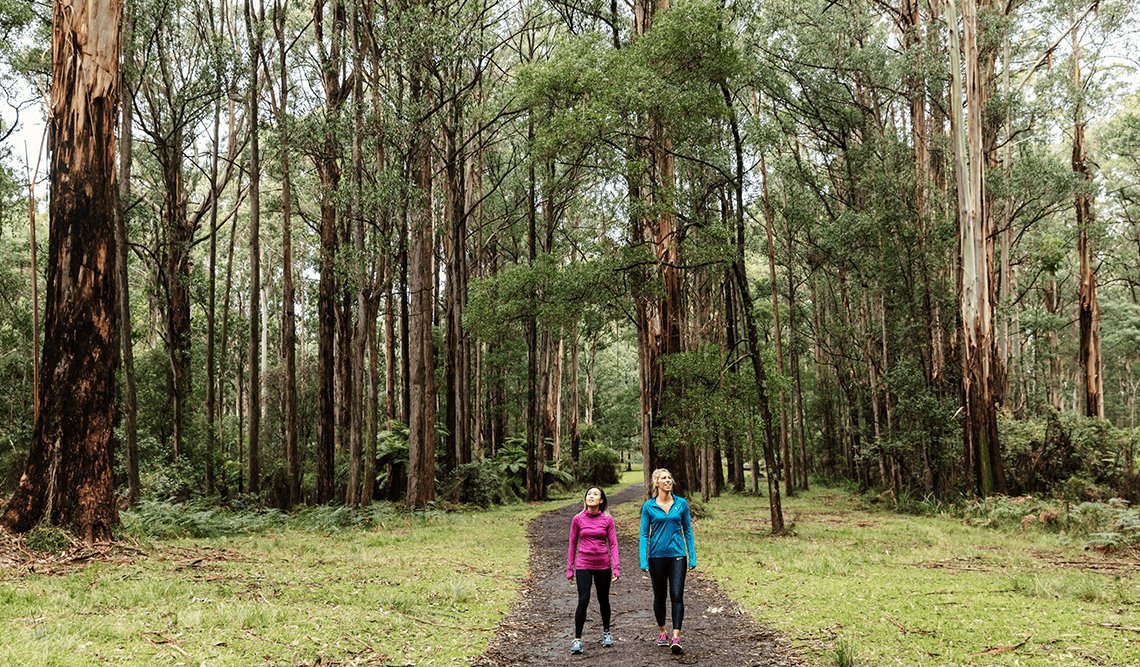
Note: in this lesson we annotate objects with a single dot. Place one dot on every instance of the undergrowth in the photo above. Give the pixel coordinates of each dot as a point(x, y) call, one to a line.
point(1105, 526)
point(152, 519)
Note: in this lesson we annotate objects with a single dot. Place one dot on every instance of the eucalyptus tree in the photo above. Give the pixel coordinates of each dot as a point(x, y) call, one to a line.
point(334, 82)
point(254, 30)
point(280, 106)
point(183, 68)
point(69, 477)
point(1088, 41)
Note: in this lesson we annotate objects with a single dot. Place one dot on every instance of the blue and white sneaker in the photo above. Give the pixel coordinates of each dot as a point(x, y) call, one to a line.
point(675, 647)
point(663, 640)
point(607, 640)
point(576, 646)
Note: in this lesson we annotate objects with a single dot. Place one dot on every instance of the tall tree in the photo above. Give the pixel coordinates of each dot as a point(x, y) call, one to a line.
point(326, 156)
point(660, 318)
point(253, 23)
point(288, 291)
point(980, 433)
point(130, 393)
point(421, 282)
point(69, 476)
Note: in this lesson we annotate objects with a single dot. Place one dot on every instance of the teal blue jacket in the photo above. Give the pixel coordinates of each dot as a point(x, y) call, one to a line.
point(666, 535)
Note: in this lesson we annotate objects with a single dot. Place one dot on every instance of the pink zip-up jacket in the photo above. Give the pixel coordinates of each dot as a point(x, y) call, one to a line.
point(593, 544)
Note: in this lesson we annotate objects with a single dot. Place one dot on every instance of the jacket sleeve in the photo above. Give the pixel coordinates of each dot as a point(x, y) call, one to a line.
point(643, 543)
point(611, 537)
point(687, 525)
point(573, 547)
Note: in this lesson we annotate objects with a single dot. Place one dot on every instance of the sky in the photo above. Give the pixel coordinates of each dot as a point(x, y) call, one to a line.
point(25, 142)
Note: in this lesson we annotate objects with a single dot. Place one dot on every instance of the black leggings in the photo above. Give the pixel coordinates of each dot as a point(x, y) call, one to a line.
point(668, 573)
point(601, 580)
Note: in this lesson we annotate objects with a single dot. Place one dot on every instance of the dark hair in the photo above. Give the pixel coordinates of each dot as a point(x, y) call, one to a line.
point(602, 506)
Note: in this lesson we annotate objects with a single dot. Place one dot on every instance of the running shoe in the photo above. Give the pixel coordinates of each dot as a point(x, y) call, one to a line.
point(675, 647)
point(663, 640)
point(576, 646)
point(607, 639)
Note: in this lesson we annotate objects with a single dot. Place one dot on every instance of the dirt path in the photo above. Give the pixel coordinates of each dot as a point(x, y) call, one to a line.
point(538, 631)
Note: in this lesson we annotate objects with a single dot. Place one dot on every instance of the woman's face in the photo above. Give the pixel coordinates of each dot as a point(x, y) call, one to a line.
point(665, 482)
point(593, 498)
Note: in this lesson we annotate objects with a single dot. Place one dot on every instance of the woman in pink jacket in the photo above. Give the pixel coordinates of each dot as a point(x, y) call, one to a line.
point(593, 557)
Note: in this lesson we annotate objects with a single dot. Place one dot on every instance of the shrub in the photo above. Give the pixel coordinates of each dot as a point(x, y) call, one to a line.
point(46, 538)
point(481, 483)
point(597, 465)
point(1041, 454)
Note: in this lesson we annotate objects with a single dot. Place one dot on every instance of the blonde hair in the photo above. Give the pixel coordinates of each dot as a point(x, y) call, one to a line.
point(653, 480)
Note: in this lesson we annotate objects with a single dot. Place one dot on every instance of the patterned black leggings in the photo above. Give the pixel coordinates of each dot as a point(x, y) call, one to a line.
point(668, 574)
point(601, 580)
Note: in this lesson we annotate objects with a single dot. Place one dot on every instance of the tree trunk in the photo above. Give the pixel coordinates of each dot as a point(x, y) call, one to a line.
point(360, 334)
point(534, 476)
point(659, 319)
point(69, 475)
point(389, 352)
point(373, 433)
point(740, 277)
point(421, 369)
point(455, 341)
point(789, 476)
point(1088, 316)
point(224, 342)
point(253, 471)
point(980, 425)
point(288, 291)
point(130, 392)
point(328, 170)
point(572, 426)
point(180, 234)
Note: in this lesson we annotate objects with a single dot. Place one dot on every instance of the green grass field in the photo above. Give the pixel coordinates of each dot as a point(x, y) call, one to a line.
point(852, 587)
point(855, 586)
point(421, 591)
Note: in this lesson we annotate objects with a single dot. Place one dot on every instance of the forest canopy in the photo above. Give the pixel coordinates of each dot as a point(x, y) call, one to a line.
point(433, 251)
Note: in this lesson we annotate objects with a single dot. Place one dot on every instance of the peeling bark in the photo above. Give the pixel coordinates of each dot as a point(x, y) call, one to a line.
point(69, 477)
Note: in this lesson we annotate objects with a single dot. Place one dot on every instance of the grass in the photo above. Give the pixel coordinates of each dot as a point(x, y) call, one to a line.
point(419, 591)
point(853, 587)
point(856, 586)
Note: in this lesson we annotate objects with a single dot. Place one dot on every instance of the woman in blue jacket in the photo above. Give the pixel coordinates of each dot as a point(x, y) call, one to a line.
point(665, 546)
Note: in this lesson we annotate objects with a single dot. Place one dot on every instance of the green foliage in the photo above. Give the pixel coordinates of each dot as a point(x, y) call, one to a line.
point(157, 520)
point(46, 538)
point(707, 401)
point(845, 654)
point(482, 483)
point(391, 452)
point(925, 426)
point(510, 462)
point(597, 465)
point(1044, 453)
point(1105, 526)
point(548, 290)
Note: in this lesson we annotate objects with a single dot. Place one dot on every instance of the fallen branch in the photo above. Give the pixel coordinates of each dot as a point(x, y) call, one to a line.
point(906, 631)
point(166, 642)
point(994, 650)
point(1114, 626)
point(441, 625)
